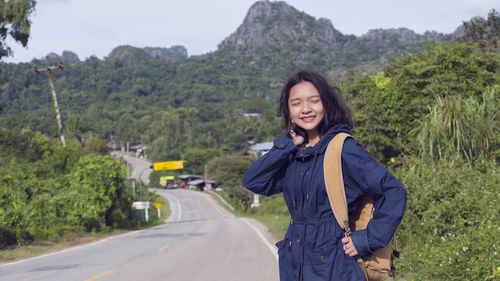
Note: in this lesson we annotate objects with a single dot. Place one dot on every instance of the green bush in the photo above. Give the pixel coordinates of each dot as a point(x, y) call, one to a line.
point(450, 228)
point(48, 191)
point(96, 195)
point(229, 170)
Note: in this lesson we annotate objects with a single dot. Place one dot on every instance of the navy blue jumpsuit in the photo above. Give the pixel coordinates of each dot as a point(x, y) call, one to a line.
point(312, 249)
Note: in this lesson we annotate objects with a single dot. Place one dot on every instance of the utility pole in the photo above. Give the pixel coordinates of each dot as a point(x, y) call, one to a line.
point(205, 177)
point(48, 70)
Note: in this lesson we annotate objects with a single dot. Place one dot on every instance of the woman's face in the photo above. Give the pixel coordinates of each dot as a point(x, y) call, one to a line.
point(306, 108)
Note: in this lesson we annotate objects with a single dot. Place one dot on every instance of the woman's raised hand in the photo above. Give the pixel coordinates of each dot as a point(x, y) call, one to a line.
point(297, 139)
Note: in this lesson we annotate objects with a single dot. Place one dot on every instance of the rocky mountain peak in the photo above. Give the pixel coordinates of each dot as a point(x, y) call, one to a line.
point(70, 56)
point(401, 34)
point(175, 53)
point(380, 34)
point(276, 24)
point(127, 51)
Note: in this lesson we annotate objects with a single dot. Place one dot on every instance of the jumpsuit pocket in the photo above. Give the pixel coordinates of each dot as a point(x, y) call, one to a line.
point(280, 243)
point(284, 249)
point(322, 247)
point(318, 260)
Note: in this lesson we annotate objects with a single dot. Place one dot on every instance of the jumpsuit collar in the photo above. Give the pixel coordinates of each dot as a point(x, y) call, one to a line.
point(305, 153)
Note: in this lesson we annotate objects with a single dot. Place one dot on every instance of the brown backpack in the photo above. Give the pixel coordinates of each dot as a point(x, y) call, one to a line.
point(378, 266)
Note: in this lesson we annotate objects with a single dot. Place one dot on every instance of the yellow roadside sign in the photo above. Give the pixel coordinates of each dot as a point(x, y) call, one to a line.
point(157, 205)
point(169, 165)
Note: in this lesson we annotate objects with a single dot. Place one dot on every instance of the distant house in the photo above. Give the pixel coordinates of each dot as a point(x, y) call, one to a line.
point(196, 184)
point(140, 149)
point(112, 145)
point(136, 147)
point(201, 183)
point(260, 149)
point(187, 178)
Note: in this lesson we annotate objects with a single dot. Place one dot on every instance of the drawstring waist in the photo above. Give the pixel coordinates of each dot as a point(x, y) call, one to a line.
point(306, 221)
point(300, 225)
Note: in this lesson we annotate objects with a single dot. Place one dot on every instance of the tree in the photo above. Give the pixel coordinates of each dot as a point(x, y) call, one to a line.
point(196, 158)
point(14, 21)
point(255, 105)
point(95, 145)
point(74, 126)
point(390, 104)
point(229, 171)
point(95, 190)
point(484, 31)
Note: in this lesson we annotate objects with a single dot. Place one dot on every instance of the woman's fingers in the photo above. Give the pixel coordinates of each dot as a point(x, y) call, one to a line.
point(349, 248)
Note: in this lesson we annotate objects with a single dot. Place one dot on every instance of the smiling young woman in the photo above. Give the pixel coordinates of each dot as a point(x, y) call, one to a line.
point(314, 247)
point(306, 110)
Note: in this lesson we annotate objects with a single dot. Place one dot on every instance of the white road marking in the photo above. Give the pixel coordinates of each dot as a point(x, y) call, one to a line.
point(218, 208)
point(271, 247)
point(179, 210)
point(74, 248)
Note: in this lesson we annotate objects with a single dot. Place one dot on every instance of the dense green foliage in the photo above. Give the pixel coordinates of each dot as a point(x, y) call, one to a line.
point(14, 21)
point(389, 105)
point(450, 229)
point(47, 190)
point(467, 127)
point(116, 98)
point(485, 31)
point(229, 170)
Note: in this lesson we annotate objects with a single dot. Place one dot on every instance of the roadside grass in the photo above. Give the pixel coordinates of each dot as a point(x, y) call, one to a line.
point(73, 239)
point(164, 210)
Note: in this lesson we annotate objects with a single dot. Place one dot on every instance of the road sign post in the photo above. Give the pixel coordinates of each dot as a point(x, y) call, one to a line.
point(158, 206)
point(142, 205)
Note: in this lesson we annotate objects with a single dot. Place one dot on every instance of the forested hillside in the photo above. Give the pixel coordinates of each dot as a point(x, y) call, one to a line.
point(132, 83)
point(426, 106)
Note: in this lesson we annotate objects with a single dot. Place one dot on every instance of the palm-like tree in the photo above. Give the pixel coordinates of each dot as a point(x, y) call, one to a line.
point(463, 127)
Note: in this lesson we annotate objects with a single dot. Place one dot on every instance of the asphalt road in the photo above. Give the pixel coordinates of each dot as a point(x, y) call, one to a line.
point(199, 241)
point(140, 166)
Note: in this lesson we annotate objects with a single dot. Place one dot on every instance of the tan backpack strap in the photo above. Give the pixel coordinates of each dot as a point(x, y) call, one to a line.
point(334, 182)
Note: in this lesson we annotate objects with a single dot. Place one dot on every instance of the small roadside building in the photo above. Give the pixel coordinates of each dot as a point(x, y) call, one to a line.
point(185, 179)
point(201, 183)
point(196, 184)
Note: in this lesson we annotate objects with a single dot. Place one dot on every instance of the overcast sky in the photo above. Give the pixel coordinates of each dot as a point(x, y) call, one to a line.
point(95, 27)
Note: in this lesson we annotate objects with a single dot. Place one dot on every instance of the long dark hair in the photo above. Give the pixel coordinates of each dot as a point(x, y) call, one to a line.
point(336, 111)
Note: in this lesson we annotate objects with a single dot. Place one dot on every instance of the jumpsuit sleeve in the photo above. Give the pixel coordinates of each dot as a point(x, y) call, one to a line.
point(389, 197)
point(263, 175)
